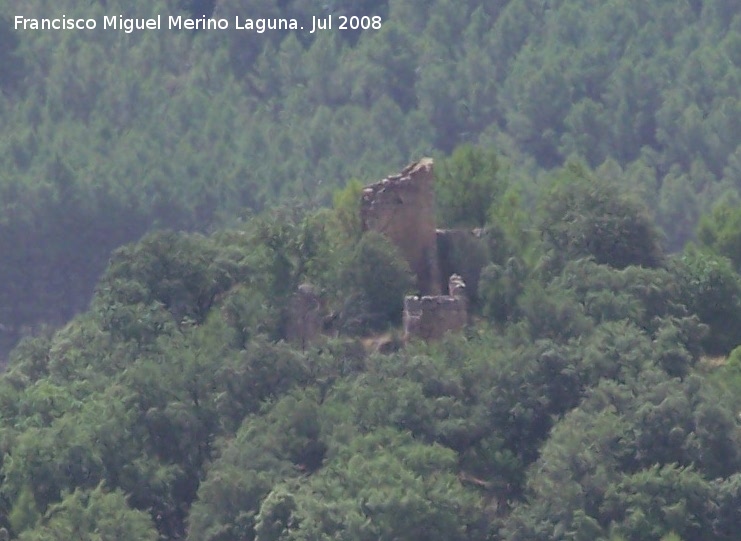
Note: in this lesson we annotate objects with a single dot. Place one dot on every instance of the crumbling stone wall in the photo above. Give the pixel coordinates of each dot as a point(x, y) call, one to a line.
point(465, 252)
point(305, 316)
point(402, 207)
point(431, 316)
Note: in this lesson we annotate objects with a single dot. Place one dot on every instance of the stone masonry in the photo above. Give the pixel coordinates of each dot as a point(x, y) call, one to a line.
point(402, 207)
point(431, 316)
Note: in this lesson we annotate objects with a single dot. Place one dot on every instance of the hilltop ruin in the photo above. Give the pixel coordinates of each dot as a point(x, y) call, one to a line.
point(431, 316)
point(402, 207)
point(447, 263)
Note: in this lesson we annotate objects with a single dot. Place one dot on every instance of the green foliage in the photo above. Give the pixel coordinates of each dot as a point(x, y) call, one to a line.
point(409, 491)
point(24, 514)
point(600, 472)
point(377, 279)
point(551, 312)
point(584, 217)
point(176, 392)
point(712, 290)
point(250, 313)
point(108, 135)
point(658, 502)
point(720, 231)
point(347, 209)
point(499, 289)
point(281, 444)
point(634, 293)
point(164, 281)
point(92, 514)
point(172, 409)
point(182, 273)
point(727, 515)
point(468, 186)
point(408, 488)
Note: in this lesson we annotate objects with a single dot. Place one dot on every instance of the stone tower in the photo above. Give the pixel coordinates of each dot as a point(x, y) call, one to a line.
point(402, 207)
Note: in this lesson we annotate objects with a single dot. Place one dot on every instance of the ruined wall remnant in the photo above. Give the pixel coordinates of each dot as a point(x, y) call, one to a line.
point(465, 252)
point(457, 287)
point(305, 316)
point(402, 207)
point(431, 316)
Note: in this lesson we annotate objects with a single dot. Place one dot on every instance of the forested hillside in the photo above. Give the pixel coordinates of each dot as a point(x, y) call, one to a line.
point(106, 133)
point(585, 401)
point(166, 193)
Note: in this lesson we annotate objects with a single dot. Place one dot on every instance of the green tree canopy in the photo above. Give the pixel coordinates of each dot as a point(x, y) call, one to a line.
point(582, 216)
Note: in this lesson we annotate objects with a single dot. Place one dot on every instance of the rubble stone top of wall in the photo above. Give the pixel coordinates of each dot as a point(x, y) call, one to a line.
point(433, 299)
point(402, 207)
point(407, 178)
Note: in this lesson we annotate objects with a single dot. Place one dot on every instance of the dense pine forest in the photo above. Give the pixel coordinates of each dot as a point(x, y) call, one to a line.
point(164, 193)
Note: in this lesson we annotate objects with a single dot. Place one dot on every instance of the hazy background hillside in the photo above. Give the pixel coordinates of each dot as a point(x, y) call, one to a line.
point(107, 134)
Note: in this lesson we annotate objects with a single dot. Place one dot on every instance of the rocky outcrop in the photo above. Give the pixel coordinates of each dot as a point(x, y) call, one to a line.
point(402, 207)
point(431, 316)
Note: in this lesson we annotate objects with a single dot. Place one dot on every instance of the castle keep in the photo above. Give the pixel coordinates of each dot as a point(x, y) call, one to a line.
point(447, 263)
point(402, 207)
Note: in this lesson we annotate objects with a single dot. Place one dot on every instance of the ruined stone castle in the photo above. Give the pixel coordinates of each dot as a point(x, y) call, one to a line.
point(402, 207)
point(446, 262)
